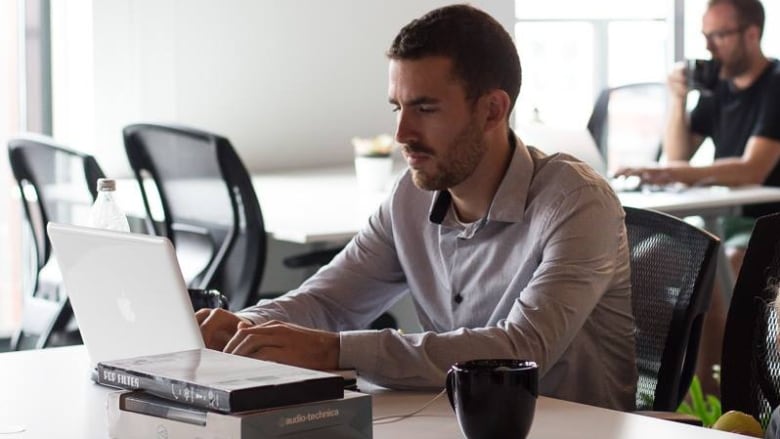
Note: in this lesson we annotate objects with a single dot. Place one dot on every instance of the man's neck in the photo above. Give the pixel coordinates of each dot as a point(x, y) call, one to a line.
point(747, 79)
point(473, 196)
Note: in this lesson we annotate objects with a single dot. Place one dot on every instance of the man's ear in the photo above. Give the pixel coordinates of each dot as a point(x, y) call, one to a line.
point(496, 108)
point(752, 32)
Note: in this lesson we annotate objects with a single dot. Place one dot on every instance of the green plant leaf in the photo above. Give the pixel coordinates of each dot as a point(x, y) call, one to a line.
point(685, 409)
point(708, 409)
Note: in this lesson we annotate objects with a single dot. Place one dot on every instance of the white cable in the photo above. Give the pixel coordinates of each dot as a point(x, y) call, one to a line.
point(395, 418)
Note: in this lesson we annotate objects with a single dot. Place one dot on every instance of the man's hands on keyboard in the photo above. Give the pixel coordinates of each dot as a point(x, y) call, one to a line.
point(633, 183)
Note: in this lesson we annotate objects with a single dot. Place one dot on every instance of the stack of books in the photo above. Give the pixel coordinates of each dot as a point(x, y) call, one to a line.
point(210, 394)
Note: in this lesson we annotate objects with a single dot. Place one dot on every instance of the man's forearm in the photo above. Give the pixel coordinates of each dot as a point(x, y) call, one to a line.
point(677, 137)
point(725, 172)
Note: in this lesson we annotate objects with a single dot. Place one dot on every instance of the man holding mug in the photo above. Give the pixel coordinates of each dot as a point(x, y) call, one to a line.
point(741, 114)
point(506, 252)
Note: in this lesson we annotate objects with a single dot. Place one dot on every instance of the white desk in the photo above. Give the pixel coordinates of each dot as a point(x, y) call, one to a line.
point(323, 205)
point(702, 201)
point(320, 206)
point(709, 203)
point(314, 205)
point(49, 394)
point(311, 206)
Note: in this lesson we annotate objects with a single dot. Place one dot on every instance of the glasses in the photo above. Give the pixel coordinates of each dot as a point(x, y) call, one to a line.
point(719, 36)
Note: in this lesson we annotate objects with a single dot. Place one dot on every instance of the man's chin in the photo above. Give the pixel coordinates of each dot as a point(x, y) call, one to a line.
point(423, 181)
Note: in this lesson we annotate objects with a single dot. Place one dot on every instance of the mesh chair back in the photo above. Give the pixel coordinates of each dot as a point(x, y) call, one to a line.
point(750, 370)
point(672, 272)
point(210, 209)
point(57, 184)
point(627, 123)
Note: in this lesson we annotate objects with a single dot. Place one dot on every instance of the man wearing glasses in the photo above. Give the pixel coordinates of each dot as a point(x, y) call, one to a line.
point(741, 114)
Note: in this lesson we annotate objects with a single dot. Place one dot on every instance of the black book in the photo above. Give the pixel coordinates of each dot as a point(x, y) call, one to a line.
point(136, 414)
point(221, 382)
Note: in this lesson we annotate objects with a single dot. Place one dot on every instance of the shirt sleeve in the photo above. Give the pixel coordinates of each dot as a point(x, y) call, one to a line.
point(576, 269)
point(359, 284)
point(702, 116)
point(768, 123)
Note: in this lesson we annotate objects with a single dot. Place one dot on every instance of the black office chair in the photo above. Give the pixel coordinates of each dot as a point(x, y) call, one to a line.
point(210, 209)
point(57, 184)
point(750, 369)
point(628, 121)
point(672, 272)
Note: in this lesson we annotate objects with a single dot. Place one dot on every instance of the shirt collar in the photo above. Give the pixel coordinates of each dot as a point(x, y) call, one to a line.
point(508, 203)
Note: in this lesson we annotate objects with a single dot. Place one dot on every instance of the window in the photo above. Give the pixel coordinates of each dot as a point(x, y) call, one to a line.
point(25, 105)
point(570, 50)
point(10, 121)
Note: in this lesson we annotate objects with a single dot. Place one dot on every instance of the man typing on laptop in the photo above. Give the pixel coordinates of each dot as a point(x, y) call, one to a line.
point(506, 252)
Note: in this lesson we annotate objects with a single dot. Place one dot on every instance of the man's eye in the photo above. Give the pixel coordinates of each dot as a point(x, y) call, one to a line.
point(426, 109)
point(396, 109)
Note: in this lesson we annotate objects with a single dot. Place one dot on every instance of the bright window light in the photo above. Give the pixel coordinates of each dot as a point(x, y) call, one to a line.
point(591, 9)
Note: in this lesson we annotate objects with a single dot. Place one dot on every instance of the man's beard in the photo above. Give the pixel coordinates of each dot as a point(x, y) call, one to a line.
point(737, 65)
point(456, 164)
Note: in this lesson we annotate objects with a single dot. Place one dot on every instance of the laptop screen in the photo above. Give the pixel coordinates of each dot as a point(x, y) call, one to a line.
point(127, 292)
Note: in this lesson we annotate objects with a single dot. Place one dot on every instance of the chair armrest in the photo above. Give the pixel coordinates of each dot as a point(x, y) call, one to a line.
point(316, 258)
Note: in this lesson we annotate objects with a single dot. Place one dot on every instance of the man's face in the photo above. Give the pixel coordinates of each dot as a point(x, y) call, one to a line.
point(441, 137)
point(726, 40)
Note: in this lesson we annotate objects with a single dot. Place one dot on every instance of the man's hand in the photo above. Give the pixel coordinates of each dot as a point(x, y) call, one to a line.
point(659, 176)
point(217, 326)
point(287, 343)
point(677, 81)
point(674, 172)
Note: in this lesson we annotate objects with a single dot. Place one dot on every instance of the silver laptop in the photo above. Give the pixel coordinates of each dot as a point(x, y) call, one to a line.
point(127, 292)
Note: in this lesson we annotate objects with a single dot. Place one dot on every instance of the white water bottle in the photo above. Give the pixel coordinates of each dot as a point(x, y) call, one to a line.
point(105, 213)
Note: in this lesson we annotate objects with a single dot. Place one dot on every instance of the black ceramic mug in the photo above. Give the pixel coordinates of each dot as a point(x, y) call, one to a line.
point(702, 74)
point(494, 398)
point(207, 299)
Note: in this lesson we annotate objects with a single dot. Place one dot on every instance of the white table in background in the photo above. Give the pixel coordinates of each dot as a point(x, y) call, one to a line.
point(710, 203)
point(314, 206)
point(325, 205)
point(49, 394)
point(321, 205)
point(702, 201)
point(309, 206)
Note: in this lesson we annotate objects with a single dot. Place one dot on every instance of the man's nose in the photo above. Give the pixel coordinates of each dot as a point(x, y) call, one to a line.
point(404, 129)
point(711, 47)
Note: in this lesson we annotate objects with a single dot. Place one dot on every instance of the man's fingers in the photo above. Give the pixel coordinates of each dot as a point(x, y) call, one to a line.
point(217, 327)
point(216, 340)
point(202, 314)
point(248, 342)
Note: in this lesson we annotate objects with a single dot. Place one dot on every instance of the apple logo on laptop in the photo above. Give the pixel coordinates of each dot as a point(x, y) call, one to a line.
point(125, 307)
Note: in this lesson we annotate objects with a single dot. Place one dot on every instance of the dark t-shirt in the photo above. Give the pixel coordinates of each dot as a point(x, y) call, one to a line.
point(730, 117)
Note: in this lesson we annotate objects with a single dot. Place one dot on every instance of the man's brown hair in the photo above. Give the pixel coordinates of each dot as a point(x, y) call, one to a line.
point(483, 54)
point(749, 12)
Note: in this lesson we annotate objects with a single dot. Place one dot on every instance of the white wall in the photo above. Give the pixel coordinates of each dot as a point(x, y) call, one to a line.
point(289, 82)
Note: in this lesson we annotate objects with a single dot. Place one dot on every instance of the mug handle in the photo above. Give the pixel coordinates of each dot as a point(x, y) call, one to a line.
point(450, 379)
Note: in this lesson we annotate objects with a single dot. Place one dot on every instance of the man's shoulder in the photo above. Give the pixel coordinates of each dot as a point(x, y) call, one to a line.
point(773, 76)
point(567, 191)
point(558, 177)
point(564, 172)
point(775, 66)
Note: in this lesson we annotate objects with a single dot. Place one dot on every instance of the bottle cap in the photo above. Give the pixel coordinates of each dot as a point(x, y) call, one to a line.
point(106, 184)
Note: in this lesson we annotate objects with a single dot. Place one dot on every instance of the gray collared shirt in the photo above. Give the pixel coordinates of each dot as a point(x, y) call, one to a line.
point(544, 276)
